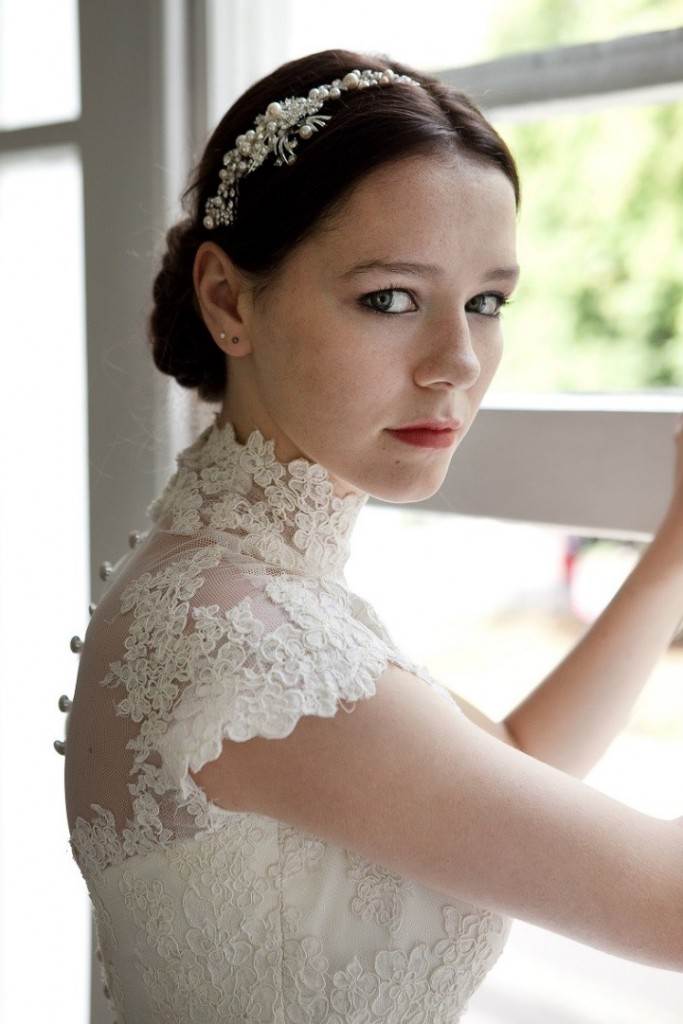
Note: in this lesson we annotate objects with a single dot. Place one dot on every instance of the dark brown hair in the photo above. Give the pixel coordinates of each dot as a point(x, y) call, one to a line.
point(278, 207)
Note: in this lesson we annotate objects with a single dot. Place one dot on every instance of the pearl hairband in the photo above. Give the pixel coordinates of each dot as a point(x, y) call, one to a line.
point(271, 133)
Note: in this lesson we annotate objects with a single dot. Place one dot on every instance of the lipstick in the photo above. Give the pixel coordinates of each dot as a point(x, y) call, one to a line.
point(425, 438)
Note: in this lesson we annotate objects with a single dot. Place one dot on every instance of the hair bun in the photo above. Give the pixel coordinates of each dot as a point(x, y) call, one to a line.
point(182, 345)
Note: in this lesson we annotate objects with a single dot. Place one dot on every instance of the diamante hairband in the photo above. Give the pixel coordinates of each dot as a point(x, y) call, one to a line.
point(276, 131)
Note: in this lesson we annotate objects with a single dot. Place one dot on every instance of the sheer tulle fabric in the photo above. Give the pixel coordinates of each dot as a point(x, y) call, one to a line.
point(232, 618)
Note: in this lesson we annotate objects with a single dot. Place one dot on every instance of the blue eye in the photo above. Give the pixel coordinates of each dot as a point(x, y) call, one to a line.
point(502, 301)
point(384, 291)
point(390, 289)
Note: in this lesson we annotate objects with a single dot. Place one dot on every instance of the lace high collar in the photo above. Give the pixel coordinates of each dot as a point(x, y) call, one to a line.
point(285, 514)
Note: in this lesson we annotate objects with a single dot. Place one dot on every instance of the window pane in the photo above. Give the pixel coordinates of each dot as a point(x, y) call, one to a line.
point(442, 34)
point(500, 605)
point(538, 24)
point(44, 584)
point(39, 68)
point(599, 305)
point(438, 34)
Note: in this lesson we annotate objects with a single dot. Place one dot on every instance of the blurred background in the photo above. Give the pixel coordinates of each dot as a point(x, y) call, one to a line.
point(557, 489)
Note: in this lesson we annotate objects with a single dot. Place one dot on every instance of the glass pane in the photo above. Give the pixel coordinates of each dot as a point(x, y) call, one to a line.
point(44, 580)
point(599, 305)
point(440, 34)
point(39, 66)
point(443, 34)
point(538, 24)
point(498, 606)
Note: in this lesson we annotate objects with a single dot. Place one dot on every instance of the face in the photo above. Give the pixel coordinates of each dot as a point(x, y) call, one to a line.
point(332, 356)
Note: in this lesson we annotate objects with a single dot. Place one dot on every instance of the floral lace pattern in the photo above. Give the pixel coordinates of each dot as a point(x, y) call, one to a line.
point(287, 515)
point(227, 948)
point(380, 894)
point(249, 918)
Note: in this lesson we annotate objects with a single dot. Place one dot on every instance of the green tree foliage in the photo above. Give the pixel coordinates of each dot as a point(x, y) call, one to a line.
point(599, 305)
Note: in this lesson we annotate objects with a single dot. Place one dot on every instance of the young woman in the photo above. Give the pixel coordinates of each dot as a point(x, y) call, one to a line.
point(252, 853)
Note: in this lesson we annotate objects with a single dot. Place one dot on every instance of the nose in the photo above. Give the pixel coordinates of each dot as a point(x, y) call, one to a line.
point(454, 358)
point(468, 367)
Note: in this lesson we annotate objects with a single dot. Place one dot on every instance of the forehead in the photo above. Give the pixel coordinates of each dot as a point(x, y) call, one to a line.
point(424, 208)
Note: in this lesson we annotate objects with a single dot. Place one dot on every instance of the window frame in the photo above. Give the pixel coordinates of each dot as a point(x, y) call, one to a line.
point(138, 134)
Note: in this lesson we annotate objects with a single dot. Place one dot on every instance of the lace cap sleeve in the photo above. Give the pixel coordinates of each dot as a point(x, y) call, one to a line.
point(255, 668)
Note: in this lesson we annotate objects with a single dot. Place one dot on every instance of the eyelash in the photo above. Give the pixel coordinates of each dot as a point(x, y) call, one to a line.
point(396, 288)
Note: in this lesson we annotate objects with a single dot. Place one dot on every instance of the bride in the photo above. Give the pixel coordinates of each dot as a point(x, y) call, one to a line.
point(252, 853)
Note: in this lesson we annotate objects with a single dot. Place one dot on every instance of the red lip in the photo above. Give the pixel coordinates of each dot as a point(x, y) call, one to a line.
point(426, 438)
point(431, 424)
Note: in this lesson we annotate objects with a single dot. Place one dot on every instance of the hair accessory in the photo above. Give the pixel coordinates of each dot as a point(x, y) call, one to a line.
point(272, 131)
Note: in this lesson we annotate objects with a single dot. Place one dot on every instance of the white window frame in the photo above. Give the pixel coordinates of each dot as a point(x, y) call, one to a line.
point(598, 464)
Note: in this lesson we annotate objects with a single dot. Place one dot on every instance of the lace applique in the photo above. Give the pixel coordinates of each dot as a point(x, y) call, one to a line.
point(226, 677)
point(213, 930)
point(158, 657)
point(225, 855)
point(185, 984)
point(285, 514)
point(428, 984)
point(96, 844)
point(107, 945)
point(152, 911)
point(219, 962)
point(299, 852)
point(380, 893)
point(260, 684)
point(216, 958)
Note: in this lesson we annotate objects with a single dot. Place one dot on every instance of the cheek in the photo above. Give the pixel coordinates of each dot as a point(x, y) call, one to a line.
point(337, 374)
point(298, 379)
point(491, 354)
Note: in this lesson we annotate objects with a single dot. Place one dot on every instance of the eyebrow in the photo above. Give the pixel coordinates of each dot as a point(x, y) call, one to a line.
point(403, 267)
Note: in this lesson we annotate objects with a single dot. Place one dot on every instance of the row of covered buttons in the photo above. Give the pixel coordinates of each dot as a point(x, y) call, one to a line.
point(76, 643)
point(107, 569)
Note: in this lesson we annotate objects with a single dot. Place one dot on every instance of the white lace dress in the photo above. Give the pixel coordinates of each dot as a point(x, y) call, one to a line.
point(232, 618)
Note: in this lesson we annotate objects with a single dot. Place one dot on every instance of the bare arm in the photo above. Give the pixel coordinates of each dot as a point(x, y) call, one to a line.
point(570, 719)
point(408, 781)
point(500, 730)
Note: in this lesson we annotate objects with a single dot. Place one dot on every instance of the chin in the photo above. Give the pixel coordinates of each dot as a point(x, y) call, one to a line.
point(399, 492)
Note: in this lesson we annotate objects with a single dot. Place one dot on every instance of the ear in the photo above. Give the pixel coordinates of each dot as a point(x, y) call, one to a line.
point(222, 294)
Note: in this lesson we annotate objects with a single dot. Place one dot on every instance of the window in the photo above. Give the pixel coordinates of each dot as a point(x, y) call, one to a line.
point(599, 306)
point(45, 920)
point(581, 78)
